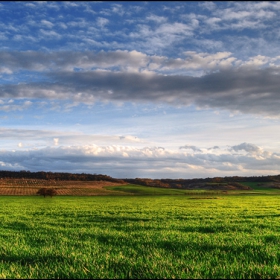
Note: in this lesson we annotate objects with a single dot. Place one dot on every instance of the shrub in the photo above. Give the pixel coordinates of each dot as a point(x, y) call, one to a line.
point(47, 191)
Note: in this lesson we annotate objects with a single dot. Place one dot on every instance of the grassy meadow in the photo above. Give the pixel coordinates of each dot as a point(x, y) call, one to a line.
point(151, 236)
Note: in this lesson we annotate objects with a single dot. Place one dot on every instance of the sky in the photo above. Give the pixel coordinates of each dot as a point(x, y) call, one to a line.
point(140, 89)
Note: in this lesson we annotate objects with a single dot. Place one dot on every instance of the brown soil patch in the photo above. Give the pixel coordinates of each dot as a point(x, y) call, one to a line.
point(31, 186)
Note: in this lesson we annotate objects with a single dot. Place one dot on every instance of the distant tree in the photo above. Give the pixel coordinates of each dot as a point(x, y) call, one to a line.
point(47, 191)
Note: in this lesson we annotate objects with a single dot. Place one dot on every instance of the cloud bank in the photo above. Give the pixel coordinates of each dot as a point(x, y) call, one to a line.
point(250, 87)
point(125, 161)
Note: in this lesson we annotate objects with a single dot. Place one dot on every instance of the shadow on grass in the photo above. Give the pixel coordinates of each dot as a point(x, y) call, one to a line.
point(31, 260)
point(17, 226)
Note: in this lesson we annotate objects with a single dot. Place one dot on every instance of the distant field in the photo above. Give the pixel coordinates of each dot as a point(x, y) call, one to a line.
point(140, 237)
point(143, 190)
point(76, 188)
point(90, 188)
point(265, 187)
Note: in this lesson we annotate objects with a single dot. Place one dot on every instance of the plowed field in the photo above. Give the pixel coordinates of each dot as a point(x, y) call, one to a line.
point(31, 186)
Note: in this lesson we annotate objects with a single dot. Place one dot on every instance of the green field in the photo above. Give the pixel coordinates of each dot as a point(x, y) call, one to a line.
point(263, 187)
point(143, 190)
point(132, 189)
point(230, 236)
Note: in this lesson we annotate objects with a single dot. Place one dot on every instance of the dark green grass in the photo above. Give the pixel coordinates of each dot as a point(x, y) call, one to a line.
point(132, 189)
point(140, 237)
point(144, 190)
point(264, 187)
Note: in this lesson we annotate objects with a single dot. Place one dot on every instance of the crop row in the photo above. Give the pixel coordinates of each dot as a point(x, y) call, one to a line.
point(18, 191)
point(60, 191)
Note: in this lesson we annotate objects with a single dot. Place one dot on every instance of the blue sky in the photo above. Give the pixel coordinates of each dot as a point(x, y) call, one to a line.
point(140, 89)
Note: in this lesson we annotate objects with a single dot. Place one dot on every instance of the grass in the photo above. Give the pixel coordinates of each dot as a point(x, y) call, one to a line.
point(264, 187)
point(142, 190)
point(91, 188)
point(140, 237)
point(132, 189)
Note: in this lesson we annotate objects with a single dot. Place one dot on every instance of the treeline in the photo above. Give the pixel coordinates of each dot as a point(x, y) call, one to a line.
point(233, 182)
point(224, 183)
point(58, 176)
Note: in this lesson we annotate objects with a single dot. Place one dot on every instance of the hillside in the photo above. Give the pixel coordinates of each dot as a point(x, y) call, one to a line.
point(59, 179)
point(24, 186)
point(216, 183)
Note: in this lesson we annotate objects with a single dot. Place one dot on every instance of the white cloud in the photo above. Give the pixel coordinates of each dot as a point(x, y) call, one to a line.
point(162, 36)
point(51, 34)
point(47, 23)
point(9, 106)
point(126, 61)
point(201, 61)
point(158, 19)
point(62, 25)
point(258, 60)
point(124, 161)
point(118, 9)
point(55, 141)
point(102, 21)
point(30, 5)
point(132, 61)
point(191, 147)
point(233, 16)
point(250, 149)
point(231, 84)
point(5, 70)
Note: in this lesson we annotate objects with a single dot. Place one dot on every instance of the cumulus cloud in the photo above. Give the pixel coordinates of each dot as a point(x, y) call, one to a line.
point(243, 90)
point(118, 8)
point(251, 87)
point(247, 147)
point(157, 32)
point(55, 141)
point(69, 60)
point(156, 18)
point(7, 107)
point(209, 5)
point(162, 35)
point(49, 34)
point(127, 161)
point(194, 148)
point(47, 23)
point(238, 17)
point(121, 60)
point(196, 60)
point(214, 148)
point(102, 21)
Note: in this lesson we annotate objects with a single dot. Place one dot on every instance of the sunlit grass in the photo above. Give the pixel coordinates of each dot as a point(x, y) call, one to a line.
point(144, 190)
point(140, 237)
